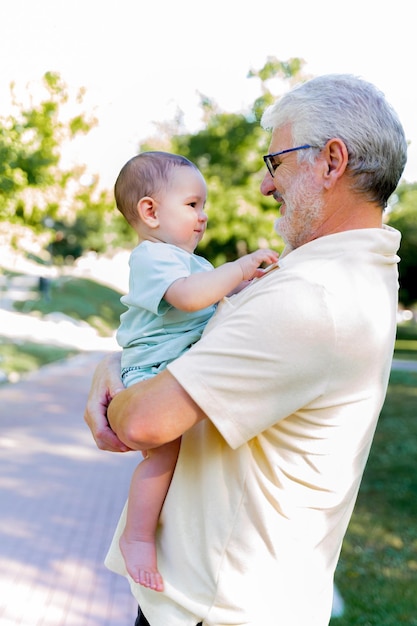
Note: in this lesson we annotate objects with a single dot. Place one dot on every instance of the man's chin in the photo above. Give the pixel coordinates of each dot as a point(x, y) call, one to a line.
point(278, 226)
point(280, 229)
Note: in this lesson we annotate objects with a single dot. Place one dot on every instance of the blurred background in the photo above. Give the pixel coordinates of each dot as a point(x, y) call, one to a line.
point(84, 86)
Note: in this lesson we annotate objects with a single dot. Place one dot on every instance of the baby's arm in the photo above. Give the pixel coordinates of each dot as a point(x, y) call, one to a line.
point(203, 289)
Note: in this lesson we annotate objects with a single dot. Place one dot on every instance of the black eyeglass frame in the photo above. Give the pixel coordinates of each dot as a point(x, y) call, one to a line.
point(273, 166)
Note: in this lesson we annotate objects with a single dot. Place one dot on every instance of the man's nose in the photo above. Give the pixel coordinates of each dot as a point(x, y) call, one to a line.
point(267, 185)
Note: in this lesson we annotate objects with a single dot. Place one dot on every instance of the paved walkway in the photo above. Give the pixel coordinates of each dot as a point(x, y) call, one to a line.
point(60, 498)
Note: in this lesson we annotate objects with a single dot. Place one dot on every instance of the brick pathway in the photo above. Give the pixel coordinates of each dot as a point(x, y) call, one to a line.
point(60, 498)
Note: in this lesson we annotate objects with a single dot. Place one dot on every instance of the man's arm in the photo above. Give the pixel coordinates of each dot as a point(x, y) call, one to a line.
point(153, 412)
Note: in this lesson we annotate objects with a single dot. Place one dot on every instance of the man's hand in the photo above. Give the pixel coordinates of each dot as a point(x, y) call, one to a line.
point(105, 385)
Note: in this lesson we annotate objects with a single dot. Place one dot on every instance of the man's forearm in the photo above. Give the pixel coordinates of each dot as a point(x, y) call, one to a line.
point(153, 412)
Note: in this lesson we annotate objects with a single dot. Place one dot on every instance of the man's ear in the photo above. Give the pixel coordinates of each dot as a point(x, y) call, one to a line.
point(337, 157)
point(146, 208)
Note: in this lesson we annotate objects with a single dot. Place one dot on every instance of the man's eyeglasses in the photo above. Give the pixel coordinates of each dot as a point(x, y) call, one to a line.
point(272, 164)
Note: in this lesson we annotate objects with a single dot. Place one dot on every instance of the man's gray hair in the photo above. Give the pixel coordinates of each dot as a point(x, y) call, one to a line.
point(354, 110)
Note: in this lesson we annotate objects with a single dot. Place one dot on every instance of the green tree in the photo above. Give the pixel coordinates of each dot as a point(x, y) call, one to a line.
point(30, 144)
point(228, 151)
point(404, 217)
point(37, 192)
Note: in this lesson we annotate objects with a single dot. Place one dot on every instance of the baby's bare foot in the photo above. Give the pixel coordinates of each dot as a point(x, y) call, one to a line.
point(140, 561)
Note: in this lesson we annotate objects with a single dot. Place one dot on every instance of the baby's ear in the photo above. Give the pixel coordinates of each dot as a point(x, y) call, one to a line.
point(146, 208)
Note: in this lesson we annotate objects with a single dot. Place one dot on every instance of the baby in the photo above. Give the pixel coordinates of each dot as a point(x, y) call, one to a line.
point(172, 295)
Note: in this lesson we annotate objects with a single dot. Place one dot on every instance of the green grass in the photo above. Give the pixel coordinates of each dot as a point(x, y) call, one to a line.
point(17, 358)
point(377, 572)
point(82, 299)
point(406, 343)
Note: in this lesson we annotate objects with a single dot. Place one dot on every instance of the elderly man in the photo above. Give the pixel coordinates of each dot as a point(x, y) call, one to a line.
point(278, 402)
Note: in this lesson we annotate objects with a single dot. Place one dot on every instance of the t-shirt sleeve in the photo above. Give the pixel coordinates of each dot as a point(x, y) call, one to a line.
point(262, 357)
point(153, 268)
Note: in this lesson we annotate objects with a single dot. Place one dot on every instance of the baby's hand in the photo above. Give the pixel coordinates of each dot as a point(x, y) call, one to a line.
point(250, 263)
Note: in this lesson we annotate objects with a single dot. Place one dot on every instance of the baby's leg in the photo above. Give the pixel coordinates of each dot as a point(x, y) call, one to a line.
point(147, 493)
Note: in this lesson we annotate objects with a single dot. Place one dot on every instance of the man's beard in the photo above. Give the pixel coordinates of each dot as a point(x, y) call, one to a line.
point(303, 210)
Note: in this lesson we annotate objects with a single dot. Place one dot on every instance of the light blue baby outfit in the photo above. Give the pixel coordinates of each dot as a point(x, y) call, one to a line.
point(152, 333)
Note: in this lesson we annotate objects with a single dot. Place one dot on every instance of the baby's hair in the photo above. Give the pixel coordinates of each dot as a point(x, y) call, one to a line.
point(145, 175)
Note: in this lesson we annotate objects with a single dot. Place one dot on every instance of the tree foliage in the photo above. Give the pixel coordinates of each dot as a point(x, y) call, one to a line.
point(404, 217)
point(72, 217)
point(30, 141)
point(228, 150)
point(35, 190)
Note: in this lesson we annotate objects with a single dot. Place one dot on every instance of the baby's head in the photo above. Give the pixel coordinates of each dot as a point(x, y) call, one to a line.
point(147, 174)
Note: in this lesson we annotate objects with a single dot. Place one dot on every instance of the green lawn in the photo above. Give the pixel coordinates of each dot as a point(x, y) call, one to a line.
point(23, 357)
point(406, 343)
point(81, 299)
point(377, 572)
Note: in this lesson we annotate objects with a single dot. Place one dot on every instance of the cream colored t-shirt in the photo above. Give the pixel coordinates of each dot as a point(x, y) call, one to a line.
point(292, 374)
